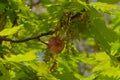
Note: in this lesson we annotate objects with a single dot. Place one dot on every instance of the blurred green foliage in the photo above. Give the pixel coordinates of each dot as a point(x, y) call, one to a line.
point(22, 55)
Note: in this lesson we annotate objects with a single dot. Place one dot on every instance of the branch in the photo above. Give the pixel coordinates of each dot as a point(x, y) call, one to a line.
point(26, 39)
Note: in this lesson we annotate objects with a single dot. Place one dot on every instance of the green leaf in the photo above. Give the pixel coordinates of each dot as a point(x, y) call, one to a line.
point(29, 56)
point(101, 33)
point(4, 71)
point(106, 69)
point(104, 66)
point(101, 56)
point(10, 31)
point(99, 37)
point(2, 7)
point(40, 67)
point(115, 49)
point(104, 7)
point(74, 6)
point(107, 33)
point(109, 1)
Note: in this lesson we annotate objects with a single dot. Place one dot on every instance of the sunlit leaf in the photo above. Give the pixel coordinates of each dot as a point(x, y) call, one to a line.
point(29, 56)
point(104, 7)
point(10, 31)
point(40, 67)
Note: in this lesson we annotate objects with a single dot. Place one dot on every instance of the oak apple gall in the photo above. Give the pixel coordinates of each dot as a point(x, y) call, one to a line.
point(56, 45)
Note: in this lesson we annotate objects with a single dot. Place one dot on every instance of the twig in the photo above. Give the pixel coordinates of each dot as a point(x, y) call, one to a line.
point(26, 39)
point(53, 65)
point(43, 42)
